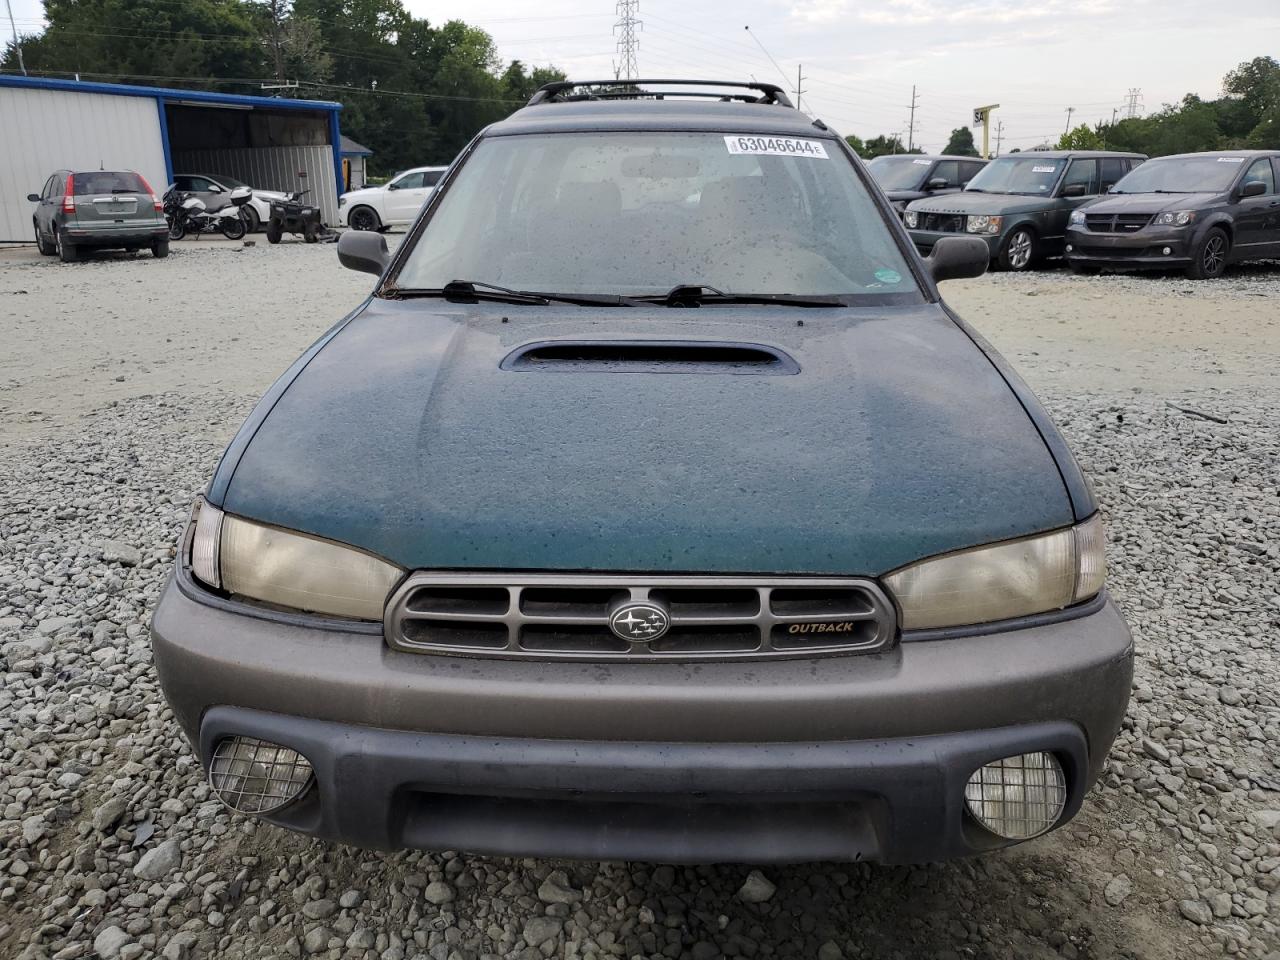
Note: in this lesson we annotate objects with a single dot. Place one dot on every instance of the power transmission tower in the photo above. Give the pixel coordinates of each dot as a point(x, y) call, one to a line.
point(911, 123)
point(627, 66)
point(1131, 105)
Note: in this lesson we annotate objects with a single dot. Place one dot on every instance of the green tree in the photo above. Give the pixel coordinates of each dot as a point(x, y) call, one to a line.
point(961, 143)
point(885, 143)
point(856, 143)
point(1081, 138)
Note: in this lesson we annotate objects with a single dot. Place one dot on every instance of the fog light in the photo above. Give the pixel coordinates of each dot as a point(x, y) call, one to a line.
point(254, 776)
point(1070, 248)
point(1168, 250)
point(1018, 797)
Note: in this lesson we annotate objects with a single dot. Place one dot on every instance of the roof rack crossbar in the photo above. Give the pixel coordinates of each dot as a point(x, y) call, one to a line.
point(559, 90)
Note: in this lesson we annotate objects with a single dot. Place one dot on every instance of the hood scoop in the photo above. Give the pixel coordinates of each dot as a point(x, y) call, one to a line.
point(650, 356)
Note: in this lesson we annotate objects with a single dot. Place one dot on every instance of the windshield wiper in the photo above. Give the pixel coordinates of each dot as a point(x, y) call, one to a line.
point(473, 290)
point(696, 294)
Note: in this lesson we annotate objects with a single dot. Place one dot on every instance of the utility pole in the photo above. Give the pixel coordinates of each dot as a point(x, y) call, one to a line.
point(1070, 111)
point(16, 44)
point(999, 136)
point(1131, 105)
point(627, 66)
point(982, 118)
point(799, 84)
point(911, 124)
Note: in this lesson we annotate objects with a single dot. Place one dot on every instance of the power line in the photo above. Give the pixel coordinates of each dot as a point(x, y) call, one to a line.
point(781, 73)
point(627, 67)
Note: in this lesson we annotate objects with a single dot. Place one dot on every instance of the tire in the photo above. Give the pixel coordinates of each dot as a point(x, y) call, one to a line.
point(160, 249)
point(232, 228)
point(310, 233)
point(46, 249)
point(177, 230)
point(1018, 252)
point(67, 252)
point(364, 218)
point(274, 231)
point(252, 222)
point(1210, 258)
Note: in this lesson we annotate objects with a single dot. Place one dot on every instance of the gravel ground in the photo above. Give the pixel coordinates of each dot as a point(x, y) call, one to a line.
point(111, 845)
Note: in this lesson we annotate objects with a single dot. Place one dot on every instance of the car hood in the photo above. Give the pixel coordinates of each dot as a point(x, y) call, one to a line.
point(989, 203)
point(270, 195)
point(403, 435)
point(363, 192)
point(1153, 202)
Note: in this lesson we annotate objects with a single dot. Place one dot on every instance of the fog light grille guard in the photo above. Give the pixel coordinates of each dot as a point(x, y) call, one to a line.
point(257, 776)
point(1018, 797)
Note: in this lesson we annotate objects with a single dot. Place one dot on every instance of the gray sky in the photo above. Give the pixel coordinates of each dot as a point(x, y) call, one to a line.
point(860, 57)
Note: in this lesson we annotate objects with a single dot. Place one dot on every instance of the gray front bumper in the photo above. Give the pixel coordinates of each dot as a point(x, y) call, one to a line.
point(867, 751)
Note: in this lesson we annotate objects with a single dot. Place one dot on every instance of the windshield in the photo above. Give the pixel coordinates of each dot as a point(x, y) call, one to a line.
point(640, 213)
point(899, 173)
point(1182, 175)
point(1030, 175)
point(231, 182)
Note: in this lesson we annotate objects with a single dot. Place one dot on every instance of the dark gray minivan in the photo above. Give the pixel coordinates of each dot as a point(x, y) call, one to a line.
point(907, 176)
point(98, 208)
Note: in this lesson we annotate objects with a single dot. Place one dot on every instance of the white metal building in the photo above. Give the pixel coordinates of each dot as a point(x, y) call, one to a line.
point(270, 143)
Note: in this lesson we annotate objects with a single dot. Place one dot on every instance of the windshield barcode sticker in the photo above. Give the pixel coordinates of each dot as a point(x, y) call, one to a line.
point(923, 163)
point(1044, 169)
point(1231, 159)
point(776, 147)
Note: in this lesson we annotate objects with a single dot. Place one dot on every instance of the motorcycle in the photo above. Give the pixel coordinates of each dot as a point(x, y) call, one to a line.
point(187, 213)
point(293, 216)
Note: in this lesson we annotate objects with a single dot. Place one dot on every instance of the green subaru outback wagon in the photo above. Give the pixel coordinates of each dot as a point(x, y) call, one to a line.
point(653, 506)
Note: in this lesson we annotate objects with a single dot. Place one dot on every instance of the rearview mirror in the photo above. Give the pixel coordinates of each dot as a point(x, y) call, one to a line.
point(364, 251)
point(937, 183)
point(1253, 188)
point(33, 197)
point(1074, 190)
point(956, 258)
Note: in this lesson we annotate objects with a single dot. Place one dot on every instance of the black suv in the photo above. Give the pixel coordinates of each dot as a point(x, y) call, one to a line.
point(1195, 211)
point(905, 177)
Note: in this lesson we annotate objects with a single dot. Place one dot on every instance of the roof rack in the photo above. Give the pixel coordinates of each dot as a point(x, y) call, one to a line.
point(560, 91)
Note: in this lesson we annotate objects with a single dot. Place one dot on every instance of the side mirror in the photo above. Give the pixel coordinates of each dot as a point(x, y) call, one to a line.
point(214, 188)
point(1074, 190)
point(394, 185)
point(364, 251)
point(956, 258)
point(937, 183)
point(33, 197)
point(1253, 188)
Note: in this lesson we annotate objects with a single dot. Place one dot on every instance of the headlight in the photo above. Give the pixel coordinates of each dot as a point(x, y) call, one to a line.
point(288, 569)
point(982, 223)
point(1077, 218)
point(911, 218)
point(342, 201)
point(1013, 579)
point(1175, 218)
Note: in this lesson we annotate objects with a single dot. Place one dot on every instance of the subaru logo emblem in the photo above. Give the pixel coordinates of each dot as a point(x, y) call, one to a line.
point(639, 621)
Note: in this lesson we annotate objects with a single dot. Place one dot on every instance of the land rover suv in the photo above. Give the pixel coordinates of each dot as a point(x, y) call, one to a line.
point(653, 506)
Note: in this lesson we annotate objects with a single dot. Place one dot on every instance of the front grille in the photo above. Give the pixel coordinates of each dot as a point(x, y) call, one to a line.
point(1116, 222)
point(942, 222)
point(552, 616)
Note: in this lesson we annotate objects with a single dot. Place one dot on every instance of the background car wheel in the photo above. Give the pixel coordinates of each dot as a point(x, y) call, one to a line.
point(1210, 259)
point(160, 249)
point(251, 219)
point(1019, 250)
point(274, 232)
point(233, 228)
point(363, 218)
point(47, 249)
point(67, 252)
